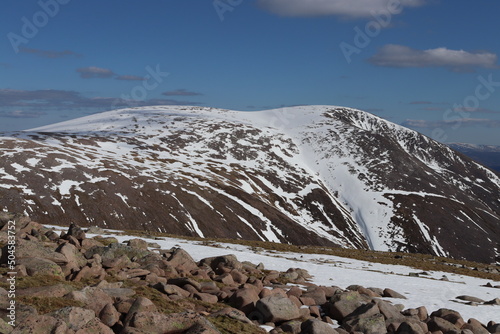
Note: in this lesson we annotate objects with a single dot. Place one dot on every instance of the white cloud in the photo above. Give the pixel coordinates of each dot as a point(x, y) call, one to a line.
point(392, 55)
point(21, 114)
point(343, 8)
point(95, 72)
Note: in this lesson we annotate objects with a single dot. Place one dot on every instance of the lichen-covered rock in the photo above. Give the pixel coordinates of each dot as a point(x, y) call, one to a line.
point(344, 303)
point(5, 327)
point(40, 266)
point(159, 323)
point(233, 314)
point(114, 251)
point(94, 326)
point(37, 249)
point(38, 324)
point(92, 297)
point(277, 309)
point(374, 324)
point(74, 317)
point(141, 304)
point(138, 243)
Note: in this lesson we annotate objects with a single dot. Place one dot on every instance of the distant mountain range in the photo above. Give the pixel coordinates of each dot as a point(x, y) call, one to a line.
point(487, 155)
point(319, 175)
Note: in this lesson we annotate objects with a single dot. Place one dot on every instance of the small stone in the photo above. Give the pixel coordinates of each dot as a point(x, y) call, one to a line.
point(131, 273)
point(315, 326)
point(470, 299)
point(238, 276)
point(293, 327)
point(225, 278)
point(206, 297)
point(294, 291)
point(495, 301)
point(95, 230)
point(76, 232)
point(422, 313)
point(440, 324)
point(318, 295)
point(494, 328)
point(409, 328)
point(109, 315)
point(182, 281)
point(392, 294)
point(95, 326)
point(137, 243)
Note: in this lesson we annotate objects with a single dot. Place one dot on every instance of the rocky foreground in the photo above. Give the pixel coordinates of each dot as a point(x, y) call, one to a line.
point(73, 284)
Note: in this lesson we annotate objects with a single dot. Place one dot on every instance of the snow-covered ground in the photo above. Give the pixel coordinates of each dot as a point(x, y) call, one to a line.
point(429, 291)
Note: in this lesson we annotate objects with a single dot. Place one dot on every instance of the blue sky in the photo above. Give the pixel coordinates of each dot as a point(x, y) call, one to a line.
point(431, 65)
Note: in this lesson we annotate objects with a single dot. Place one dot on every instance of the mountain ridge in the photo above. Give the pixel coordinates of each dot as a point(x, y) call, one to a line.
point(488, 155)
point(311, 174)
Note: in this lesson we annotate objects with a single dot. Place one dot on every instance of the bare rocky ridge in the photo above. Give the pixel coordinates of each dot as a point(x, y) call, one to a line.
point(72, 284)
point(313, 175)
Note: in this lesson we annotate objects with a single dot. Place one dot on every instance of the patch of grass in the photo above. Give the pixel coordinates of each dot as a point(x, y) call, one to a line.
point(162, 304)
point(208, 307)
point(46, 280)
point(38, 281)
point(227, 325)
point(48, 304)
point(4, 271)
point(220, 285)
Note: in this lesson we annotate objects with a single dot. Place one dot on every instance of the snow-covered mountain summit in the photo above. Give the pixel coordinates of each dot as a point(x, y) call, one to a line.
point(307, 175)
